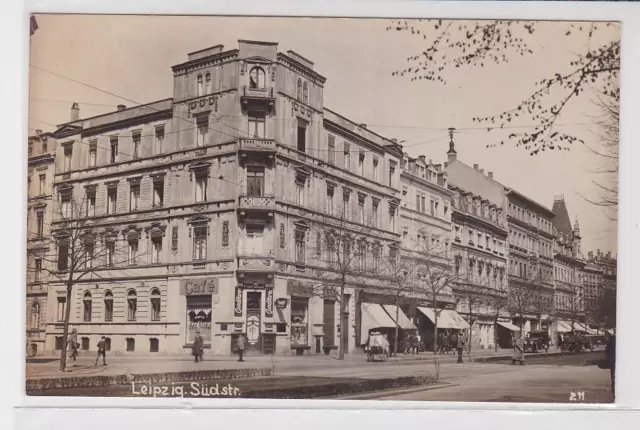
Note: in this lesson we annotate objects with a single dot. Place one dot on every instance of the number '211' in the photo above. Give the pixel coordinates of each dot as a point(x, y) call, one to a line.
point(577, 397)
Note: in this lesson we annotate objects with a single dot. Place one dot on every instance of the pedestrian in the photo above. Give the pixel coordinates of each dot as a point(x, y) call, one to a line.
point(198, 347)
point(610, 356)
point(241, 344)
point(73, 345)
point(518, 351)
point(460, 347)
point(102, 348)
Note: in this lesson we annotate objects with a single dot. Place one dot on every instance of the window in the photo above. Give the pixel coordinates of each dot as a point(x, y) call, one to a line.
point(393, 255)
point(35, 315)
point(376, 258)
point(91, 201)
point(417, 202)
point(112, 199)
point(61, 308)
point(345, 204)
point(347, 156)
point(131, 344)
point(331, 150)
point(432, 208)
point(374, 214)
point(156, 252)
point(63, 255)
point(423, 204)
point(68, 153)
point(88, 251)
point(155, 304)
point(392, 171)
point(108, 306)
point(86, 306)
point(361, 209)
point(200, 86)
point(158, 192)
point(257, 125)
point(65, 204)
point(136, 144)
point(37, 270)
point(114, 149)
point(300, 236)
point(330, 193)
point(362, 256)
point(255, 180)
point(132, 305)
point(256, 78)
point(134, 196)
point(201, 186)
point(44, 146)
point(299, 93)
point(302, 136)
point(200, 243)
point(202, 122)
point(110, 251)
point(41, 184)
point(254, 242)
point(39, 223)
point(300, 191)
point(159, 138)
point(361, 163)
point(154, 345)
point(375, 168)
point(133, 249)
point(207, 83)
point(305, 92)
point(392, 219)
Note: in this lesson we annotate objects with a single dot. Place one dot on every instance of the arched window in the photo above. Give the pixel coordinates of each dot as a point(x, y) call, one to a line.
point(305, 93)
point(256, 77)
point(200, 87)
point(132, 305)
point(299, 89)
point(155, 304)
point(108, 306)
point(207, 83)
point(131, 344)
point(107, 344)
point(154, 345)
point(86, 305)
point(35, 315)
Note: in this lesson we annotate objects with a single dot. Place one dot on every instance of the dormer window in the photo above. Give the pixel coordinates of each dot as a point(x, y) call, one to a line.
point(207, 83)
point(256, 78)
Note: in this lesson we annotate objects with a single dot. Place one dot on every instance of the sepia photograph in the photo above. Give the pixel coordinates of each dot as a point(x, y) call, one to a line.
point(322, 208)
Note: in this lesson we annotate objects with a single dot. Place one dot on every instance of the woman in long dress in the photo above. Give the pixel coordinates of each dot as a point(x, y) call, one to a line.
point(518, 351)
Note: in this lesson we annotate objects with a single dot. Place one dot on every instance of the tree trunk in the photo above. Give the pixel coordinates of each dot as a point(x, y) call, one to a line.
point(495, 334)
point(395, 346)
point(65, 334)
point(343, 329)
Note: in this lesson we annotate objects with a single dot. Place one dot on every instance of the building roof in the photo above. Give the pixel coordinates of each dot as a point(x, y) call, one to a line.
point(476, 182)
point(561, 221)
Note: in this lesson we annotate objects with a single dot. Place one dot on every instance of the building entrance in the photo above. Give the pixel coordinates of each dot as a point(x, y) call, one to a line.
point(254, 312)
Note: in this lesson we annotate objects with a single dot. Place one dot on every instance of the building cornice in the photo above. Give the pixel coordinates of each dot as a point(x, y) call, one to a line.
point(435, 187)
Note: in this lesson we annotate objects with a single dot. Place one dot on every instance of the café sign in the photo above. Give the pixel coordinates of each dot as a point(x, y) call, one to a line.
point(198, 287)
point(268, 311)
point(237, 306)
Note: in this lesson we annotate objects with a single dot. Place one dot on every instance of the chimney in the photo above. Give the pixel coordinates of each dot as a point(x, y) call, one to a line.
point(430, 161)
point(590, 254)
point(121, 107)
point(490, 175)
point(75, 112)
point(475, 167)
point(365, 126)
point(482, 171)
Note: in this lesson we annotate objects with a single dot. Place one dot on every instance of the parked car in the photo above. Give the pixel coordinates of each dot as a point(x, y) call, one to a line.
point(537, 341)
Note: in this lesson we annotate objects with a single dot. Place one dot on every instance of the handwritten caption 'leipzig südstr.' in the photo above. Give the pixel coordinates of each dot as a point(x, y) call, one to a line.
point(192, 389)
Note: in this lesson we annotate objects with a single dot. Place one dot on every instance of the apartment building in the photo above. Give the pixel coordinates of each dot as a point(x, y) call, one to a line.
point(211, 211)
point(41, 150)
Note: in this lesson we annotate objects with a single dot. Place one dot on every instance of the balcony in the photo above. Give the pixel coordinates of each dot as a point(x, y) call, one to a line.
point(256, 205)
point(265, 147)
point(257, 96)
point(256, 264)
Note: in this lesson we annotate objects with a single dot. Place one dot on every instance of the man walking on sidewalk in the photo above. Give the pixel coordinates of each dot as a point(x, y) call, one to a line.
point(198, 347)
point(460, 347)
point(73, 345)
point(241, 344)
point(102, 351)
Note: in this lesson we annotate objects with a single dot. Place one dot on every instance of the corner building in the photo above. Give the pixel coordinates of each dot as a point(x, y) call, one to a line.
point(214, 205)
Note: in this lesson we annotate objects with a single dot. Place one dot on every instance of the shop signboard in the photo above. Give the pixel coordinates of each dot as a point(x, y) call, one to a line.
point(196, 287)
point(268, 306)
point(237, 306)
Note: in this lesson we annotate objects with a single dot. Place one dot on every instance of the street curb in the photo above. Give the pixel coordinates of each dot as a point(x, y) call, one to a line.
point(340, 388)
point(391, 392)
point(41, 384)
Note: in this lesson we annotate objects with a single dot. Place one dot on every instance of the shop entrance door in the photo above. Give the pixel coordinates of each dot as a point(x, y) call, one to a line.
point(254, 312)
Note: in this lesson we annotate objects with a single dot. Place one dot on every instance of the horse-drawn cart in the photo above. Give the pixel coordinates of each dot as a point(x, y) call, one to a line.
point(377, 346)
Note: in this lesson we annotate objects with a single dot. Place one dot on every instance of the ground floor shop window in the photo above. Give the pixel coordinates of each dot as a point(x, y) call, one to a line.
point(299, 321)
point(199, 318)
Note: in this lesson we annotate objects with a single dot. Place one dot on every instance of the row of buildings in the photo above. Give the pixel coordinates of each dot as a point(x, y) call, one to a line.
point(239, 205)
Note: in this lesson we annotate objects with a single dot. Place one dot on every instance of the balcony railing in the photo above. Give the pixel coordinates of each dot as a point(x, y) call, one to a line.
point(258, 145)
point(266, 203)
point(262, 263)
point(258, 93)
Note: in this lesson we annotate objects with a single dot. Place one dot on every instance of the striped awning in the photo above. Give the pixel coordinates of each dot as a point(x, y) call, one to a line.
point(403, 321)
point(508, 325)
point(446, 318)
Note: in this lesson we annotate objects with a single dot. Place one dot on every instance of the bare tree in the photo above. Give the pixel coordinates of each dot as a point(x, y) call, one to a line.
point(497, 302)
point(472, 302)
point(523, 301)
point(79, 251)
point(450, 45)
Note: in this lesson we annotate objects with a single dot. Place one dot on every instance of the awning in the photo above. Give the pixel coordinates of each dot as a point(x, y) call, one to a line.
point(563, 327)
point(446, 318)
point(610, 332)
point(373, 316)
point(403, 321)
point(508, 325)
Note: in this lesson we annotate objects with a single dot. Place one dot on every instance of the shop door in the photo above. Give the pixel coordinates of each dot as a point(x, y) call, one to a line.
point(254, 311)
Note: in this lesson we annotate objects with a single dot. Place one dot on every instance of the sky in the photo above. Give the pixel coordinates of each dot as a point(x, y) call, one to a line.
point(131, 57)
